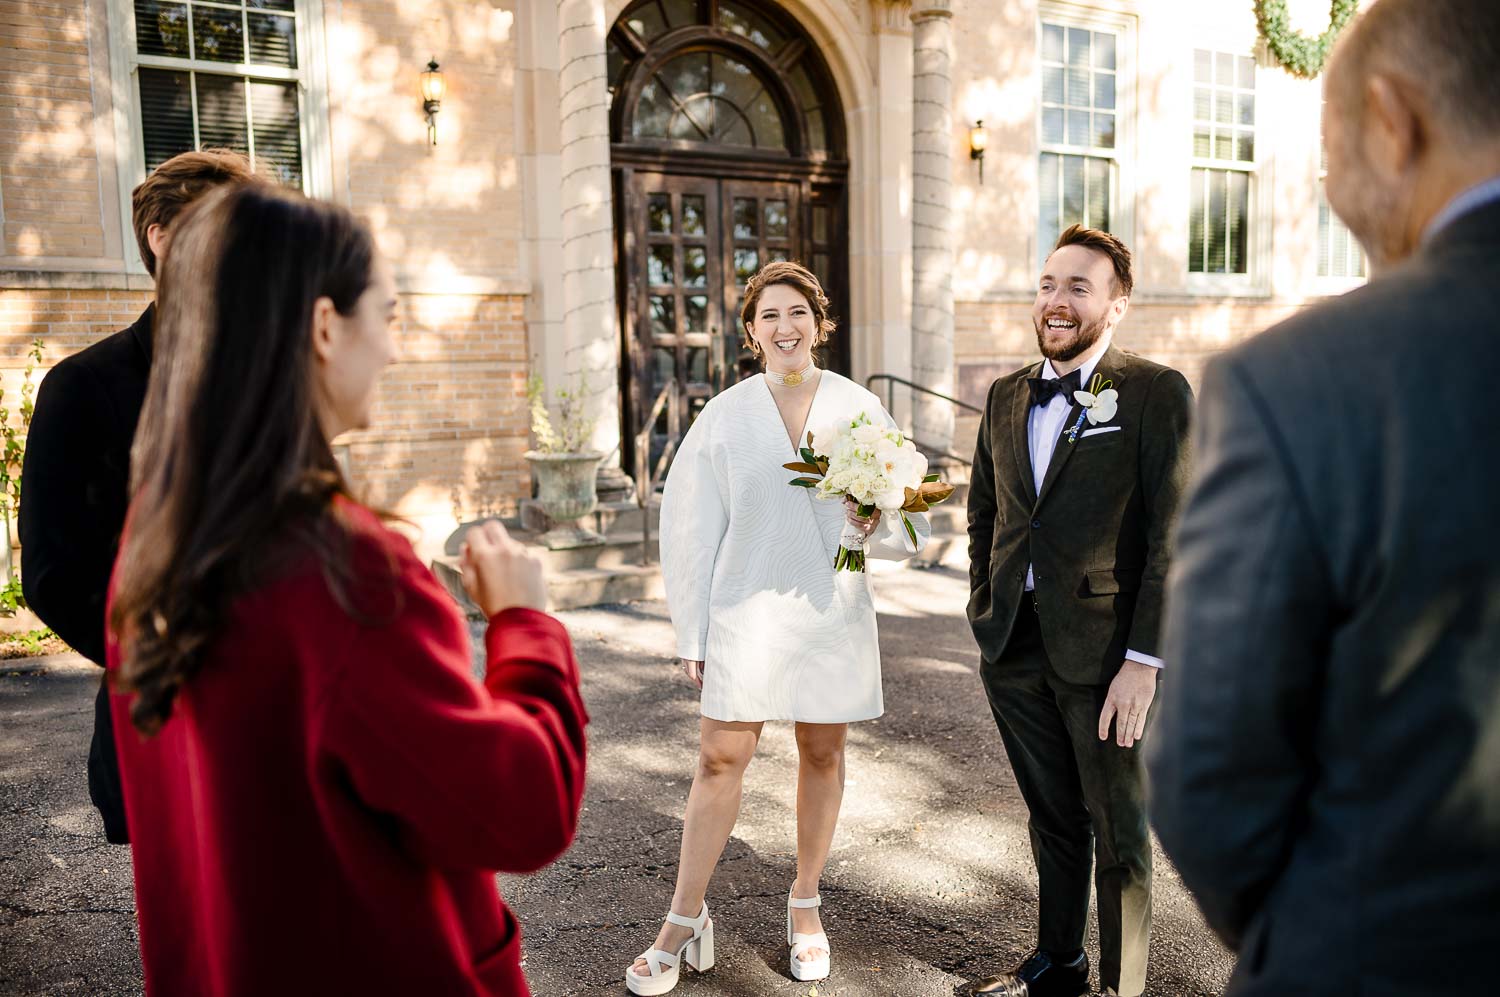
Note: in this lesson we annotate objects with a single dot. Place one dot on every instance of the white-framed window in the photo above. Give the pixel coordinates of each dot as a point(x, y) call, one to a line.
point(1083, 123)
point(1340, 256)
point(1222, 179)
point(238, 74)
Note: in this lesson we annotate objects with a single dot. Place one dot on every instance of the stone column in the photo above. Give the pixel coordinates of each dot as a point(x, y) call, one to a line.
point(590, 340)
point(932, 235)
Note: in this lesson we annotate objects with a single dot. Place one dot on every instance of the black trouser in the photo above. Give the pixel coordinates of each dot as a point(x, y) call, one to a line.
point(1084, 795)
point(105, 788)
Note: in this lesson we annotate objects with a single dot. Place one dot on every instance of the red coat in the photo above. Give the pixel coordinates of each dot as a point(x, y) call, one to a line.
point(325, 809)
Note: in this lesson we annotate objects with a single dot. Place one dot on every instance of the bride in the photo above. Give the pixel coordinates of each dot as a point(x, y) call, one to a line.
point(765, 627)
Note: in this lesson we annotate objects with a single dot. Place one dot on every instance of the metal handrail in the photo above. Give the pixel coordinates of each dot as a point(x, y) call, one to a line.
point(645, 485)
point(890, 400)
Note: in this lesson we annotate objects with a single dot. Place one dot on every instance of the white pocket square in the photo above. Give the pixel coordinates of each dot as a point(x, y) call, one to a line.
point(1101, 429)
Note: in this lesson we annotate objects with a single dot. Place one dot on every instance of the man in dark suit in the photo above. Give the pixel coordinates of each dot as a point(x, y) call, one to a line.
point(76, 476)
point(1080, 463)
point(1326, 771)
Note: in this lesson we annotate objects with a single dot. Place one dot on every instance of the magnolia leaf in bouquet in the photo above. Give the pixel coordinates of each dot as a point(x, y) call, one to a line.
point(804, 482)
point(935, 492)
point(801, 468)
point(929, 479)
point(808, 455)
point(911, 530)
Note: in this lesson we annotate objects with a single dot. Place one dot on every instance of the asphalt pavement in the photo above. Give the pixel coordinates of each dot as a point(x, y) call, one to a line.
point(929, 884)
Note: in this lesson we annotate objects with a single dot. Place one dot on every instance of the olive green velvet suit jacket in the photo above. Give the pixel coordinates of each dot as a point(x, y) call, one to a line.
point(1098, 535)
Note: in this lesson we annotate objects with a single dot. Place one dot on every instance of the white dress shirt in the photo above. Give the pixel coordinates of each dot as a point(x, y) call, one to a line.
point(1044, 427)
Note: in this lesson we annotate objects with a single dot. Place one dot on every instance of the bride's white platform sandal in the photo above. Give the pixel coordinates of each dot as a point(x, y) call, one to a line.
point(663, 968)
point(807, 969)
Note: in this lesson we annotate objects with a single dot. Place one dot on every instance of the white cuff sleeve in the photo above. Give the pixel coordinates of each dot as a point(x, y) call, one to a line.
point(1144, 659)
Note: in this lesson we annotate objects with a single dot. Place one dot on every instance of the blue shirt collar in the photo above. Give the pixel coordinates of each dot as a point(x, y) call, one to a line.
point(1469, 200)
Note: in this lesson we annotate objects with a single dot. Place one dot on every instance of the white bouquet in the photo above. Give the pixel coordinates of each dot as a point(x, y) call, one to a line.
point(877, 467)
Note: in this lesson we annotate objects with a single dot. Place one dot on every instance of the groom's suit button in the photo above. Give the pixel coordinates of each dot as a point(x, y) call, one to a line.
point(1036, 524)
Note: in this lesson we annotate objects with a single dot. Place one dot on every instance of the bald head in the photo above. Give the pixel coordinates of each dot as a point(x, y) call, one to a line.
point(1446, 52)
point(1412, 117)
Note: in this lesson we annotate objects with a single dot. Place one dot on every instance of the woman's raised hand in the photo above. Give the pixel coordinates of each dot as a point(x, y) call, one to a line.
point(694, 670)
point(499, 573)
point(851, 513)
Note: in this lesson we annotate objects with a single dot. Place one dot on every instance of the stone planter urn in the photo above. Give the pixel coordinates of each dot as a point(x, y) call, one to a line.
point(565, 490)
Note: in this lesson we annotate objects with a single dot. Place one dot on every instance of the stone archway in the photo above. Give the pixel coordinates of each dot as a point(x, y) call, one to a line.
point(728, 151)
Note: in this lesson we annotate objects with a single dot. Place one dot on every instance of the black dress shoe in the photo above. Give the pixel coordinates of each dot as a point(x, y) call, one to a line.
point(1038, 976)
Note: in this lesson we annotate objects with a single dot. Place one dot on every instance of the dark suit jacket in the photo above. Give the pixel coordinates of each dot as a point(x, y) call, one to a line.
point(1326, 761)
point(74, 490)
point(1097, 535)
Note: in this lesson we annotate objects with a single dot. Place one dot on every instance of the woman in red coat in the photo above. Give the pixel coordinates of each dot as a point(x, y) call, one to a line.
point(318, 793)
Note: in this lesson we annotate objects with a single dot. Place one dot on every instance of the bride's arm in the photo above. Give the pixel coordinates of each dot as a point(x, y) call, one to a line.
point(694, 519)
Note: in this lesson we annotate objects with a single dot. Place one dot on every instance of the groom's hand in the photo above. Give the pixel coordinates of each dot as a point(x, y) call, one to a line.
point(1129, 698)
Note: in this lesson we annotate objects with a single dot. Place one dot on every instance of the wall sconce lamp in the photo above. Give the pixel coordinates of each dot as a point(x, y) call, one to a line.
point(979, 137)
point(433, 89)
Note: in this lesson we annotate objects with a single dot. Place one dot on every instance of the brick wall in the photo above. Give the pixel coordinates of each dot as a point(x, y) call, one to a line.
point(450, 420)
point(49, 174)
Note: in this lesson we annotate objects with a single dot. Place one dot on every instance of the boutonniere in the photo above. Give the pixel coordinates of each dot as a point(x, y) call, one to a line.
point(1100, 402)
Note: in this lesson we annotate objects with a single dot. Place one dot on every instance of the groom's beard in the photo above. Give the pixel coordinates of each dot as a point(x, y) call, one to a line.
point(1084, 337)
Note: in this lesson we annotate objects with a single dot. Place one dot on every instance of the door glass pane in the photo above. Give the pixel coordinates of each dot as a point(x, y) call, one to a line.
point(663, 315)
point(776, 220)
point(777, 256)
point(665, 361)
point(822, 267)
point(693, 121)
point(695, 266)
point(218, 35)
point(653, 115)
point(821, 222)
point(647, 21)
point(692, 215)
point(273, 40)
point(697, 364)
point(161, 28)
point(680, 13)
point(746, 218)
point(817, 135)
point(659, 214)
point(750, 25)
point(733, 128)
point(659, 265)
point(687, 75)
point(696, 307)
point(765, 119)
point(746, 262)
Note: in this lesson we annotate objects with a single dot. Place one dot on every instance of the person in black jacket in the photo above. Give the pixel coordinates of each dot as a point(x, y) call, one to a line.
point(76, 475)
point(1326, 767)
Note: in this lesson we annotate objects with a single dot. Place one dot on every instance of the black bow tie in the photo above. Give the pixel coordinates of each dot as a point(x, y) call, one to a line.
point(1044, 389)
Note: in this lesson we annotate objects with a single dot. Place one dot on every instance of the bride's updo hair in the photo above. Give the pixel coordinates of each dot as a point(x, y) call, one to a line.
point(798, 278)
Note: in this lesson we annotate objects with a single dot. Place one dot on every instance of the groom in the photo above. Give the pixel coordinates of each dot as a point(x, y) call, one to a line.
point(1079, 467)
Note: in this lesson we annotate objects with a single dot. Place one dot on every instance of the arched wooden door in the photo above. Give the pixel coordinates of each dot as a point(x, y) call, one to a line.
point(728, 152)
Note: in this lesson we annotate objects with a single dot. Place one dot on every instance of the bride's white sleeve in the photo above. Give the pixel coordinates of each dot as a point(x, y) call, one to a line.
point(694, 519)
point(890, 541)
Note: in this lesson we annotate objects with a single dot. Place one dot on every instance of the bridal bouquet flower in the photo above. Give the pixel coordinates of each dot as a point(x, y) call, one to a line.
point(877, 467)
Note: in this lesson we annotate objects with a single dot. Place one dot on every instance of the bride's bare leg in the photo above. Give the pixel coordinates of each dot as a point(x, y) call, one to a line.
point(724, 752)
point(820, 793)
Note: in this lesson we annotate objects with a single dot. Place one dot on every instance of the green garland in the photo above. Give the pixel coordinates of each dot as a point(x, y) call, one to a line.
point(1302, 56)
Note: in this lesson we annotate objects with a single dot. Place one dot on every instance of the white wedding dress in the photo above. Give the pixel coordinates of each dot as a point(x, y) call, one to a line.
point(748, 564)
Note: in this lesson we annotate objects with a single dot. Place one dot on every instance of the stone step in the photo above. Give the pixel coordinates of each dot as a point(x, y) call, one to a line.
point(572, 588)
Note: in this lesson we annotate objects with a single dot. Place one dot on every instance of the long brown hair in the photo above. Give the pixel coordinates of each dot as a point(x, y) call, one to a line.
point(230, 464)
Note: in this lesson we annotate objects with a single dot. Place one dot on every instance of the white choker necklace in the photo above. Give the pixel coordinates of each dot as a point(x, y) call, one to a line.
point(792, 380)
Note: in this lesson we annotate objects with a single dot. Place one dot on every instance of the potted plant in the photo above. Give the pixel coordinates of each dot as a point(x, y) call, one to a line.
point(562, 464)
